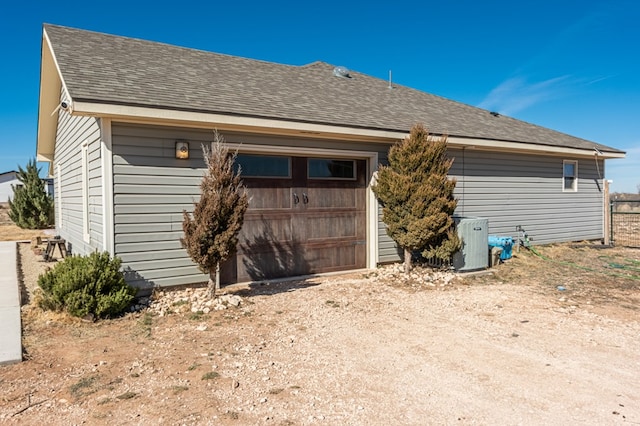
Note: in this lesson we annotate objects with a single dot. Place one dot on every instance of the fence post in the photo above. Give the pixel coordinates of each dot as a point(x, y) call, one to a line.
point(607, 214)
point(611, 237)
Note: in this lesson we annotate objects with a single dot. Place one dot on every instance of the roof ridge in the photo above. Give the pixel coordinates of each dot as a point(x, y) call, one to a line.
point(170, 45)
point(315, 64)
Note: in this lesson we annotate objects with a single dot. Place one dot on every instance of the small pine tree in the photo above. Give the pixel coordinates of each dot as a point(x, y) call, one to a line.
point(211, 233)
point(90, 285)
point(416, 195)
point(31, 206)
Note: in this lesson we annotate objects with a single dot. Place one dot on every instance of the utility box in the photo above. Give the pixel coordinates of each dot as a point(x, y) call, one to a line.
point(474, 254)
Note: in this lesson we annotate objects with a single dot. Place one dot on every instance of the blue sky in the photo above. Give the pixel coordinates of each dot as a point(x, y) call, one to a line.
point(572, 66)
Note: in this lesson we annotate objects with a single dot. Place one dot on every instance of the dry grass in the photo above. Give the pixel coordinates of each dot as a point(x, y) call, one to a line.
point(585, 273)
point(14, 233)
point(579, 264)
point(11, 232)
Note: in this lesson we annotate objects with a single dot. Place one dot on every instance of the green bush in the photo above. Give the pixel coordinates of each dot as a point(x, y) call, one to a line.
point(86, 285)
point(31, 207)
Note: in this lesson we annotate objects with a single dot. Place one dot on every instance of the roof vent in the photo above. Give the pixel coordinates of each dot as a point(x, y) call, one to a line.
point(341, 72)
point(495, 114)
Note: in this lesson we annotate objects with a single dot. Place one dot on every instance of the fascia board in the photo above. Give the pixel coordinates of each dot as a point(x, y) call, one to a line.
point(49, 99)
point(506, 146)
point(232, 122)
point(145, 115)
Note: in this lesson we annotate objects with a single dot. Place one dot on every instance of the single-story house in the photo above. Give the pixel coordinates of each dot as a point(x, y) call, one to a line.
point(116, 115)
point(8, 180)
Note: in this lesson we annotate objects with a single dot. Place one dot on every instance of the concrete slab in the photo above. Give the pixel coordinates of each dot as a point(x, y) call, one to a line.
point(10, 336)
point(7, 280)
point(10, 323)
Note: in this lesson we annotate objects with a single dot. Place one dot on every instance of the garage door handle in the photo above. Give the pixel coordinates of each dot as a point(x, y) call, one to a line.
point(305, 199)
point(296, 200)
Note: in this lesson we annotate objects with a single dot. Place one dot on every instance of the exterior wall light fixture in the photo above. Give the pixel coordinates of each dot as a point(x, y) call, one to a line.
point(182, 150)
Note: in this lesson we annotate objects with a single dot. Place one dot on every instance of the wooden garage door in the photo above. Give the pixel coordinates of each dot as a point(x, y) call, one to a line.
point(305, 216)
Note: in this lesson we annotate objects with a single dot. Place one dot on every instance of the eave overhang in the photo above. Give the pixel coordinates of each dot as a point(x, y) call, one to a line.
point(265, 125)
point(49, 100)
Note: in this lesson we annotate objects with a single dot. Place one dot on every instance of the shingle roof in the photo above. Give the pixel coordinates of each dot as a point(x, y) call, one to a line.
point(103, 68)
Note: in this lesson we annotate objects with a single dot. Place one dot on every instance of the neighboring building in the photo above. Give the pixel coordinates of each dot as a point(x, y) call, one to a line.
point(7, 179)
point(309, 138)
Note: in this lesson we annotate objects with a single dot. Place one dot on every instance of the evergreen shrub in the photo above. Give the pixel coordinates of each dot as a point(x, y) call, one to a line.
point(416, 194)
point(86, 286)
point(31, 207)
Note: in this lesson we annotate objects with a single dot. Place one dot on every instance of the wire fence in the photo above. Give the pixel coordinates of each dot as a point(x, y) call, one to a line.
point(625, 223)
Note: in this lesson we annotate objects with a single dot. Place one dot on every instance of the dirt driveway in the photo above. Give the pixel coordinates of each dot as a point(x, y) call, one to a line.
point(536, 342)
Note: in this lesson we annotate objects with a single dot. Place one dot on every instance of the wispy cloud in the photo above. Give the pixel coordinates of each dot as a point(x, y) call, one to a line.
point(598, 79)
point(525, 88)
point(517, 94)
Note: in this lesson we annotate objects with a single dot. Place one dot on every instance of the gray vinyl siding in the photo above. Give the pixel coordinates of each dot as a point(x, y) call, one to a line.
point(71, 134)
point(152, 188)
point(516, 189)
point(527, 190)
point(388, 251)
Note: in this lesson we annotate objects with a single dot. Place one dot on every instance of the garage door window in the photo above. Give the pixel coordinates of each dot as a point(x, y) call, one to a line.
point(267, 166)
point(326, 168)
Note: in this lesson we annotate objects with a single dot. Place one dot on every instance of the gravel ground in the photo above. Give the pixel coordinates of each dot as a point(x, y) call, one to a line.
point(355, 349)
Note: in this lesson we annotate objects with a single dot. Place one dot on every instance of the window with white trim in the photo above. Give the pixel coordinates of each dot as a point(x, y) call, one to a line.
point(85, 192)
point(569, 176)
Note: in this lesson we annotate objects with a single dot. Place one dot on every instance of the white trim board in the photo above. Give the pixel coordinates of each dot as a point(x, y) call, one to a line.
point(106, 154)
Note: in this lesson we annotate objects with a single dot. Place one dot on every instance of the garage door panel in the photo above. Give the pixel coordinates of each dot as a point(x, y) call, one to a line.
point(273, 227)
point(270, 198)
point(331, 198)
point(329, 259)
point(271, 259)
point(334, 226)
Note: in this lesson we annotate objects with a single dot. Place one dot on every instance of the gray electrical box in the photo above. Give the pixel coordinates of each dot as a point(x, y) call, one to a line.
point(474, 254)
